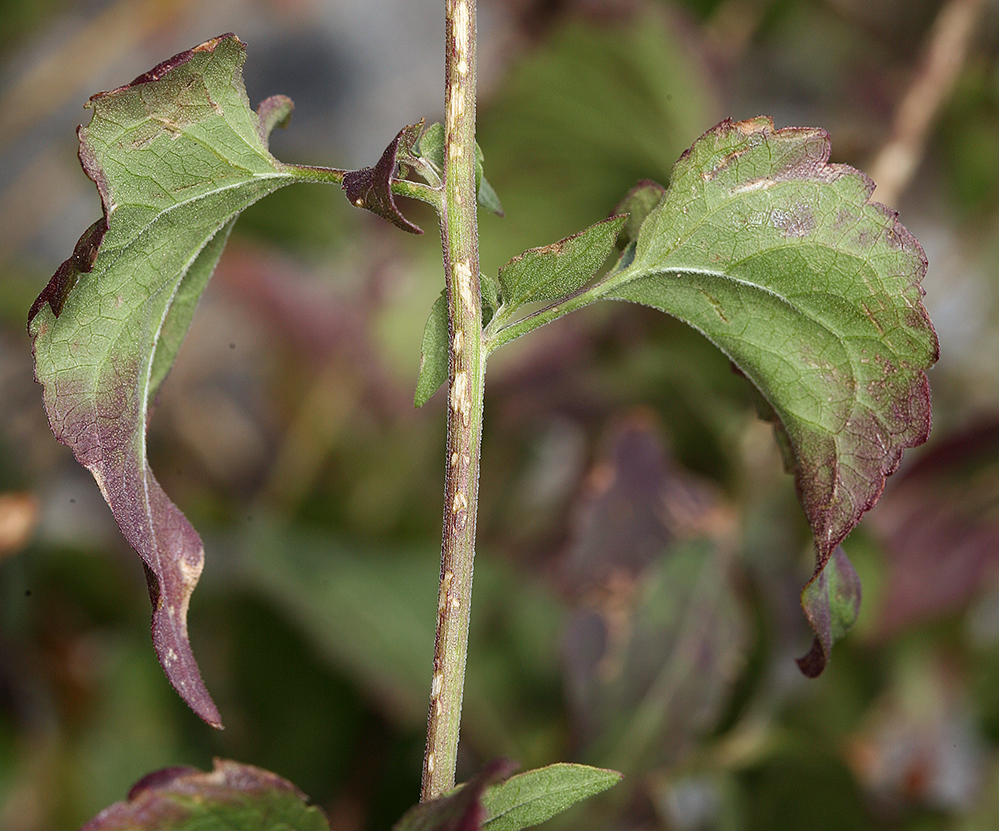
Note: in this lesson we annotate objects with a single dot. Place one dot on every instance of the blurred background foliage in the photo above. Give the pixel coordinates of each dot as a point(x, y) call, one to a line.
point(641, 551)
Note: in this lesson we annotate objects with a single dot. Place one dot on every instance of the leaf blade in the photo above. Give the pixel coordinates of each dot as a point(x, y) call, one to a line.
point(819, 304)
point(175, 156)
point(553, 271)
point(535, 796)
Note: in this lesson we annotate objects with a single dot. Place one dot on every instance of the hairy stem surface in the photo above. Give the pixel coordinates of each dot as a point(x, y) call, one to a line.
point(459, 236)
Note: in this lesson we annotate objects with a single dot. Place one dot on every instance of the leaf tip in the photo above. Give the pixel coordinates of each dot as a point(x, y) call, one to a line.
point(831, 601)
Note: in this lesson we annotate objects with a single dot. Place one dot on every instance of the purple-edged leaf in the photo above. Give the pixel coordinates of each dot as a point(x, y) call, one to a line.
point(175, 155)
point(812, 291)
point(371, 187)
point(460, 809)
point(232, 796)
point(831, 601)
point(658, 631)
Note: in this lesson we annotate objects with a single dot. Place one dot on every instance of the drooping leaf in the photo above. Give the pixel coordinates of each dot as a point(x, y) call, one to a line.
point(556, 270)
point(458, 810)
point(175, 155)
point(812, 291)
point(371, 187)
point(530, 798)
point(232, 796)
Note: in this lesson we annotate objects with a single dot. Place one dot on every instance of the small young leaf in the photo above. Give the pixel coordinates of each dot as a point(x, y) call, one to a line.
point(813, 292)
point(458, 810)
point(431, 145)
point(371, 187)
point(556, 270)
point(484, 193)
point(534, 796)
point(433, 355)
point(232, 796)
point(175, 155)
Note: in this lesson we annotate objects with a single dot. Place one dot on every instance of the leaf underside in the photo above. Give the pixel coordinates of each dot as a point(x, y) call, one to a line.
point(232, 796)
point(176, 155)
point(813, 292)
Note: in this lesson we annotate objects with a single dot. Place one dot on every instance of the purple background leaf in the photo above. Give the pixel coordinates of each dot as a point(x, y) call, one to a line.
point(233, 795)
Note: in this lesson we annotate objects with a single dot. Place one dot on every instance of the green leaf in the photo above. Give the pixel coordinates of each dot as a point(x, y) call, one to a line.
point(813, 292)
point(232, 796)
point(530, 798)
point(484, 193)
point(175, 155)
point(433, 354)
point(556, 270)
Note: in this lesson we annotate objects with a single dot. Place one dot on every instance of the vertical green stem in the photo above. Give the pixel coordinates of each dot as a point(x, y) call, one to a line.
point(459, 235)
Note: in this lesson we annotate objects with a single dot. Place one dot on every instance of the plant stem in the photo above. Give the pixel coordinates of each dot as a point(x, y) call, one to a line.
point(459, 238)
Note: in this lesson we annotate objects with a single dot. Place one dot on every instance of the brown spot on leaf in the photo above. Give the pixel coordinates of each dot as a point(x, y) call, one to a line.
point(799, 221)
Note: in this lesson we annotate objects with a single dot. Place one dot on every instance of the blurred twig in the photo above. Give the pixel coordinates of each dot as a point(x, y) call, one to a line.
point(945, 54)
